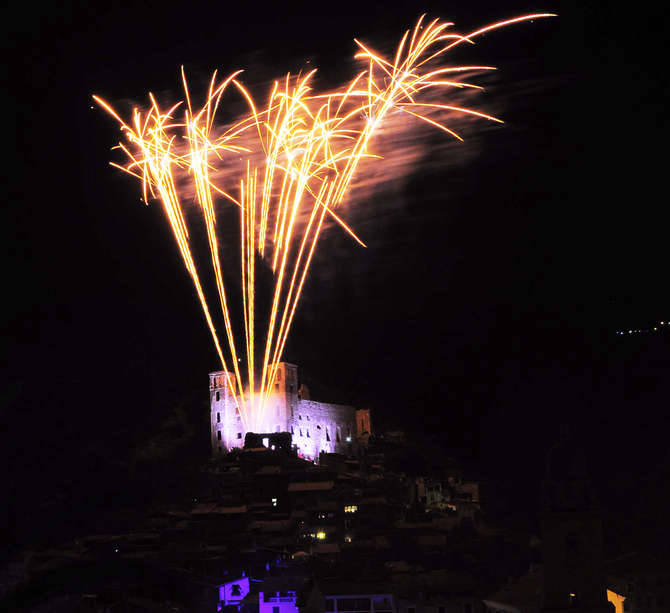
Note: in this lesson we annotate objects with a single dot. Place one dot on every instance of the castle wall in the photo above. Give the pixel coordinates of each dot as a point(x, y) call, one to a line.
point(319, 426)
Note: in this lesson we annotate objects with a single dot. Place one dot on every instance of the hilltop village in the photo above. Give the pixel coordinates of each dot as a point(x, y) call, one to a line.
point(276, 526)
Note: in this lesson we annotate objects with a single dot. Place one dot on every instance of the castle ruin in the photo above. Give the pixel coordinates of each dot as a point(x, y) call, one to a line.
point(315, 427)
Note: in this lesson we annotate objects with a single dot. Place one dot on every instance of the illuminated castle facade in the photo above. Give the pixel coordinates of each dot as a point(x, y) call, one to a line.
point(314, 426)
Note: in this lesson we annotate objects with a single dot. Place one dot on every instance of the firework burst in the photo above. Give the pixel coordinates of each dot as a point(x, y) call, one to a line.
point(286, 166)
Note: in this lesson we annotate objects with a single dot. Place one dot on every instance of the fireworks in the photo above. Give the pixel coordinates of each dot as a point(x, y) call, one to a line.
point(286, 166)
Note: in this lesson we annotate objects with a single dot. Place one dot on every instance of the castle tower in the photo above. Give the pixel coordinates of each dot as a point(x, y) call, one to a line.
point(281, 401)
point(363, 425)
point(227, 429)
point(226, 424)
point(286, 394)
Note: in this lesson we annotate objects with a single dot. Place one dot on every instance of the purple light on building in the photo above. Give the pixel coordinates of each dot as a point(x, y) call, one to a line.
point(232, 592)
point(277, 602)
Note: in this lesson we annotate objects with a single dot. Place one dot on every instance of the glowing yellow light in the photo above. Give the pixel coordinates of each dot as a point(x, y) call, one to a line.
point(321, 536)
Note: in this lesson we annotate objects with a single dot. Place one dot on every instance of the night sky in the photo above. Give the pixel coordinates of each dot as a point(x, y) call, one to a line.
point(485, 307)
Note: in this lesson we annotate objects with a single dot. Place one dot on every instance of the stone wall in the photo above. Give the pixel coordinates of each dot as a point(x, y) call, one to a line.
point(319, 426)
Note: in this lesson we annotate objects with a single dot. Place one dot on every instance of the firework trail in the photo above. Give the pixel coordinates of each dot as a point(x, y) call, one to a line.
point(286, 166)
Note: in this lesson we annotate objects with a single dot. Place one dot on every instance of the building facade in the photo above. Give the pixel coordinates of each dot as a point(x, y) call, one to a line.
point(315, 427)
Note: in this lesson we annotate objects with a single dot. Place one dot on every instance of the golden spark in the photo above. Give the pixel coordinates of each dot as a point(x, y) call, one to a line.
point(295, 158)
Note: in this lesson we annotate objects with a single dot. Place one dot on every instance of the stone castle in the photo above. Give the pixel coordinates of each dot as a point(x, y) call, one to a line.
point(314, 427)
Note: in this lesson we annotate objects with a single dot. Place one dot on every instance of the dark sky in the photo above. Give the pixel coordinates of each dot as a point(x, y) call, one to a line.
point(486, 304)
